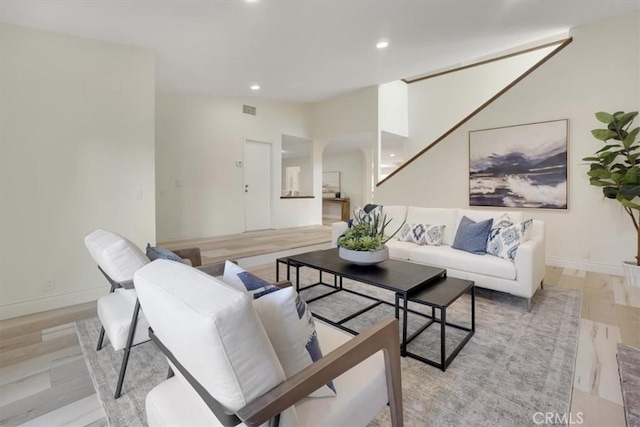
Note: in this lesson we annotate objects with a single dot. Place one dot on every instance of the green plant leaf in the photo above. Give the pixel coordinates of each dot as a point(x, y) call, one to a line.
point(610, 192)
point(628, 203)
point(590, 159)
point(624, 119)
point(630, 191)
point(599, 173)
point(607, 147)
point(604, 117)
point(596, 182)
point(629, 140)
point(604, 134)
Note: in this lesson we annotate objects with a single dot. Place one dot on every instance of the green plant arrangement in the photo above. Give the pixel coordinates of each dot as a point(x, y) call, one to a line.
point(615, 166)
point(367, 236)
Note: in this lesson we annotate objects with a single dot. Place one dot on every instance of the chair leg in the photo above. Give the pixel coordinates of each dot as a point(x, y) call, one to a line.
point(542, 284)
point(100, 339)
point(127, 349)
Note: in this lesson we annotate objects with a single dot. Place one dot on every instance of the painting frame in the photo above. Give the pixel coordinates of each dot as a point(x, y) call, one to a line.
point(520, 166)
point(330, 184)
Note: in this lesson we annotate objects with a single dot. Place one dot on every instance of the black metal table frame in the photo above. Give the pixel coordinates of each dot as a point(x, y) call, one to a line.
point(337, 285)
point(444, 360)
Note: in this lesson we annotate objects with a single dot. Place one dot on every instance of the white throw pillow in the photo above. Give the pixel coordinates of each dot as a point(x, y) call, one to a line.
point(506, 237)
point(241, 280)
point(292, 332)
point(422, 234)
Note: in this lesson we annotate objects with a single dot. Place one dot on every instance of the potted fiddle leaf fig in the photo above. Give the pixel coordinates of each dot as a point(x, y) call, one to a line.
point(616, 169)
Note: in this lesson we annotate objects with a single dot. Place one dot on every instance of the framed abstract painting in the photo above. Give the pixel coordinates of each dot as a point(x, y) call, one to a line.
point(521, 166)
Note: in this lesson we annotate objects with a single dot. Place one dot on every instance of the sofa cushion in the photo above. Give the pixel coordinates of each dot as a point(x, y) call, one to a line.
point(505, 237)
point(211, 329)
point(472, 236)
point(246, 282)
point(396, 216)
point(480, 215)
point(292, 332)
point(435, 216)
point(447, 257)
point(398, 249)
point(117, 256)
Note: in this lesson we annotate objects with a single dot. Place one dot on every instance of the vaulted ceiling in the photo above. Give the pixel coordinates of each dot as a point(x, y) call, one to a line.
point(307, 50)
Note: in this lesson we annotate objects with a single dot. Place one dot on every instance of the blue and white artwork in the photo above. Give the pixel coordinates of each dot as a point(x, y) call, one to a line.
point(519, 166)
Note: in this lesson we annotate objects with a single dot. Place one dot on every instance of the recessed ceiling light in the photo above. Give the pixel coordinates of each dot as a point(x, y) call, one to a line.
point(255, 87)
point(392, 155)
point(382, 45)
point(251, 1)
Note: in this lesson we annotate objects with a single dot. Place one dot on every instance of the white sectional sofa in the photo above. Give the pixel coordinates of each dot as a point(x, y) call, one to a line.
point(521, 278)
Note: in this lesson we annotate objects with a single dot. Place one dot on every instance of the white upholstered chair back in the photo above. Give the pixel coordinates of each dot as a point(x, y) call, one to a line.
point(118, 257)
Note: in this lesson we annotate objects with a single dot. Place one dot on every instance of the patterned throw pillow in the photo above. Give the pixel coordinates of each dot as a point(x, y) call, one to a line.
point(472, 236)
point(422, 234)
point(367, 213)
point(505, 237)
point(242, 280)
point(292, 332)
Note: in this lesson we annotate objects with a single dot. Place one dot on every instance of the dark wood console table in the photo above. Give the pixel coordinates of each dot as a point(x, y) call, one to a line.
point(344, 202)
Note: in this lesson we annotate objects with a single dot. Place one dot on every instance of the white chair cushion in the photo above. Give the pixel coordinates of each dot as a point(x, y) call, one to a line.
point(292, 332)
point(362, 390)
point(447, 257)
point(115, 311)
point(362, 393)
point(435, 216)
point(117, 256)
point(211, 329)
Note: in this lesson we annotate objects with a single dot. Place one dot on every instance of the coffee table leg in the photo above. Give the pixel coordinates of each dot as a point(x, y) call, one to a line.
point(404, 325)
point(473, 308)
point(277, 271)
point(297, 278)
point(443, 321)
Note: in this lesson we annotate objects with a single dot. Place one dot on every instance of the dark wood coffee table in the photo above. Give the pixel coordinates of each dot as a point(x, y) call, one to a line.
point(401, 277)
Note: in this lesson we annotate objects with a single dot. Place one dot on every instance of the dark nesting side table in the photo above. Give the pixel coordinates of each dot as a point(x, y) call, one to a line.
point(441, 295)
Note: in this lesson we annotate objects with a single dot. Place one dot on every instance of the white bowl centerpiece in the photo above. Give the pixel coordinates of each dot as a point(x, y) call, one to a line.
point(364, 242)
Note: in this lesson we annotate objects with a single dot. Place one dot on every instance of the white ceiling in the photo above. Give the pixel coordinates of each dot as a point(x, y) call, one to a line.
point(307, 50)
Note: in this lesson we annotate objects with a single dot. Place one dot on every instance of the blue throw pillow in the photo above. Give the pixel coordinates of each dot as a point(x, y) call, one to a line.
point(154, 253)
point(246, 282)
point(472, 236)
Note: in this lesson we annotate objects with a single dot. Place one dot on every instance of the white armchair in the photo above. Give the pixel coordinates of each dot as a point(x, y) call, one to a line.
point(227, 372)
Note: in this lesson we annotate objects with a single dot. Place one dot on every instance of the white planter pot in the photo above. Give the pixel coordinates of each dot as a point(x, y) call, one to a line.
point(364, 257)
point(632, 271)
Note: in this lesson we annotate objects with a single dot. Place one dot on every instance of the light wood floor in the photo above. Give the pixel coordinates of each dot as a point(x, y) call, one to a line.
point(236, 246)
point(44, 381)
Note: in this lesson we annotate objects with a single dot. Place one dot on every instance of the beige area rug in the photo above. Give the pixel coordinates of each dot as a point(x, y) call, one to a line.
point(518, 363)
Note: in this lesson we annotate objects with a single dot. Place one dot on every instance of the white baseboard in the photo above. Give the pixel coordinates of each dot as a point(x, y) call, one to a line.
point(8, 311)
point(580, 264)
point(186, 235)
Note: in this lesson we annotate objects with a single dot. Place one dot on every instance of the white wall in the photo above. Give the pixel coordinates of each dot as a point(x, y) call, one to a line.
point(439, 103)
point(77, 144)
point(599, 71)
point(305, 182)
point(199, 187)
point(349, 117)
point(393, 112)
point(351, 166)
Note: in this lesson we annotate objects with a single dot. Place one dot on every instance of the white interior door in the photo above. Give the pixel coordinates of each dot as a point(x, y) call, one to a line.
point(257, 185)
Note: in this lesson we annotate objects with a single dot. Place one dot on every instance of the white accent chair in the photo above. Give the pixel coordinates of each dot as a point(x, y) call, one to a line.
point(118, 258)
point(227, 372)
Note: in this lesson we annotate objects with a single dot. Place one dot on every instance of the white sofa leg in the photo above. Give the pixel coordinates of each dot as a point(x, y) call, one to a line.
point(529, 304)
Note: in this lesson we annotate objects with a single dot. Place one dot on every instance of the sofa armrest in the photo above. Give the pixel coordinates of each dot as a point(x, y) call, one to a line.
point(530, 263)
point(382, 336)
point(337, 230)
